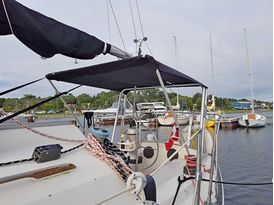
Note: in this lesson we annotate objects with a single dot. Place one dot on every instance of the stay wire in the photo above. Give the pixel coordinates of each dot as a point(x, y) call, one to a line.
point(116, 21)
point(141, 26)
point(20, 86)
point(133, 22)
point(140, 21)
point(36, 105)
point(109, 32)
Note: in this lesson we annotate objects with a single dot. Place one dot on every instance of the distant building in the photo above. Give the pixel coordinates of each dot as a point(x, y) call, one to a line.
point(242, 105)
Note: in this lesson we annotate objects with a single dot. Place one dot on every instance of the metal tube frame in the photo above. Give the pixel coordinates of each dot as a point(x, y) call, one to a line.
point(66, 105)
point(213, 162)
point(116, 117)
point(167, 98)
point(198, 177)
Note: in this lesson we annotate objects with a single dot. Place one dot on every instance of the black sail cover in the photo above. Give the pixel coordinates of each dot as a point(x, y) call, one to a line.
point(123, 74)
point(46, 36)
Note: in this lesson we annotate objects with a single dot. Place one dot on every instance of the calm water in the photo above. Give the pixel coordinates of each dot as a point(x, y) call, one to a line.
point(247, 156)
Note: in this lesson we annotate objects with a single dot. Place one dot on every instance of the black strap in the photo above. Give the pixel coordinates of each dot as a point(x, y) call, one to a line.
point(20, 86)
point(36, 105)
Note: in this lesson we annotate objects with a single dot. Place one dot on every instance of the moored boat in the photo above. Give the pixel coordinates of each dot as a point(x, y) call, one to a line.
point(168, 119)
point(229, 122)
point(252, 120)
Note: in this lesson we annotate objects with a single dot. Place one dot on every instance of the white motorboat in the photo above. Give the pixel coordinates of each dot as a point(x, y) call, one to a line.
point(149, 111)
point(107, 116)
point(155, 107)
point(55, 163)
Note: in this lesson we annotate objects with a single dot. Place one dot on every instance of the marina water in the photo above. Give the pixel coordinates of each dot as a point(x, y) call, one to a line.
point(246, 155)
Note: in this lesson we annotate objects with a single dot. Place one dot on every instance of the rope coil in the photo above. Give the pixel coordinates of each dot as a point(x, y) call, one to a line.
point(97, 150)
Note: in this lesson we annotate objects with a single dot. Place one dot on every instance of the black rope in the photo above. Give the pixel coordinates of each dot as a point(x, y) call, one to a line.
point(178, 188)
point(238, 183)
point(112, 149)
point(69, 150)
point(36, 105)
point(32, 158)
point(20, 86)
point(231, 183)
point(16, 161)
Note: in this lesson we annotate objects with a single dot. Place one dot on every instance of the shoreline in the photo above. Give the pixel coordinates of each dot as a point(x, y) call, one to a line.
point(67, 115)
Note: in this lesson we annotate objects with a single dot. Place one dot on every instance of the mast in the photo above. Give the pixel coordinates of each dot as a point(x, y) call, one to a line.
point(250, 72)
point(176, 66)
point(176, 54)
point(211, 59)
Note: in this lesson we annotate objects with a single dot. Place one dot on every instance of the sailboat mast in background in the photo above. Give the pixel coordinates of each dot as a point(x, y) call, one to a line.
point(250, 72)
point(211, 59)
point(251, 119)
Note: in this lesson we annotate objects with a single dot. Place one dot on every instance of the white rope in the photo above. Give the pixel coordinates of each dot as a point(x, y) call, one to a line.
point(117, 194)
point(168, 159)
point(6, 12)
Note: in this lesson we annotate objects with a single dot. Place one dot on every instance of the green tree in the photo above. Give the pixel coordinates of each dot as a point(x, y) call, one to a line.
point(83, 100)
point(2, 100)
point(197, 100)
point(69, 99)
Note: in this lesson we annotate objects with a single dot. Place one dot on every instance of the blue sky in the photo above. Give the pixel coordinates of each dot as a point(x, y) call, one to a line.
point(190, 21)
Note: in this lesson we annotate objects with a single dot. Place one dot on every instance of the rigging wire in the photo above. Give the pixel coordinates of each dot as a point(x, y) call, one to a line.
point(7, 15)
point(109, 33)
point(20, 86)
point(133, 23)
point(141, 26)
point(120, 34)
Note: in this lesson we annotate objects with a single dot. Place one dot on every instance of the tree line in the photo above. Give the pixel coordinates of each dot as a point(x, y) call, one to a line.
point(105, 99)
